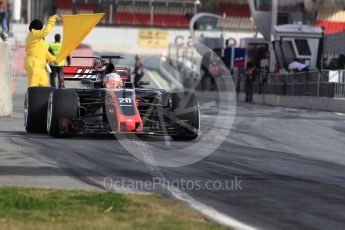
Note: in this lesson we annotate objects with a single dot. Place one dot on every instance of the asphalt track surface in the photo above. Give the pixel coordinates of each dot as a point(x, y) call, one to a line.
point(291, 164)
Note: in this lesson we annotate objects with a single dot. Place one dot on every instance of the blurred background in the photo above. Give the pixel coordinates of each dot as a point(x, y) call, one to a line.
point(237, 31)
point(177, 13)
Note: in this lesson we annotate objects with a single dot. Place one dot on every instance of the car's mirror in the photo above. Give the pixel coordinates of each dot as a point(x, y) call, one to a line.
point(94, 72)
point(129, 85)
point(143, 83)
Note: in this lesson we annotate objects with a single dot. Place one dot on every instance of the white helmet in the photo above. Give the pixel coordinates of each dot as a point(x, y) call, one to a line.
point(112, 80)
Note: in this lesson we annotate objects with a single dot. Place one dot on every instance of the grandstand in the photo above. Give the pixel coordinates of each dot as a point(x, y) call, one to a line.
point(160, 13)
point(70, 7)
point(236, 16)
point(329, 14)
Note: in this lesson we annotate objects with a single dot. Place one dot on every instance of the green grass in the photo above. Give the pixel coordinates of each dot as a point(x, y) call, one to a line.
point(25, 208)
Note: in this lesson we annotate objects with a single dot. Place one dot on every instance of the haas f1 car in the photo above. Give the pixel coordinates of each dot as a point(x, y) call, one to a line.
point(95, 109)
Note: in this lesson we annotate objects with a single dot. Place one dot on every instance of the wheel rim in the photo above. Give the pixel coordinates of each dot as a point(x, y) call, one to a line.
point(49, 112)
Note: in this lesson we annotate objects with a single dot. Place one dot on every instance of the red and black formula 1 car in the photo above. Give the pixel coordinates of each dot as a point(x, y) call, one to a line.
point(93, 109)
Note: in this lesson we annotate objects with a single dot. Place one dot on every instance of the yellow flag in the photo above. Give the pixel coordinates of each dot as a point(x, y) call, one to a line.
point(75, 29)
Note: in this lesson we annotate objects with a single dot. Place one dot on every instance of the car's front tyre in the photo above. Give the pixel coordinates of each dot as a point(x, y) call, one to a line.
point(63, 105)
point(35, 109)
point(186, 112)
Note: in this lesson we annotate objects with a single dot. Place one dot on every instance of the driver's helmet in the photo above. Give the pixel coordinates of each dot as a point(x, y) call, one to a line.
point(112, 81)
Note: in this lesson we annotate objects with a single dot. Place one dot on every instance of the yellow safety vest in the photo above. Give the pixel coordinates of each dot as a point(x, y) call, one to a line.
point(56, 48)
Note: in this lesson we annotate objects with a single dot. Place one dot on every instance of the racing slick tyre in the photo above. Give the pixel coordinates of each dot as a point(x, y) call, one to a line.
point(35, 109)
point(187, 114)
point(63, 105)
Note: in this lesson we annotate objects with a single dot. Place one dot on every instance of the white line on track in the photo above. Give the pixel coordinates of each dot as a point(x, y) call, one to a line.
point(208, 211)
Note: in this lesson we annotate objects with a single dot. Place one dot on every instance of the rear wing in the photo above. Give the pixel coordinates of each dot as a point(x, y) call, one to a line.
point(109, 57)
point(77, 73)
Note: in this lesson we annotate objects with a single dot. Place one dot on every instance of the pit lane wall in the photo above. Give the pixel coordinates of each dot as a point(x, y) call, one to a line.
point(6, 105)
point(130, 39)
point(309, 103)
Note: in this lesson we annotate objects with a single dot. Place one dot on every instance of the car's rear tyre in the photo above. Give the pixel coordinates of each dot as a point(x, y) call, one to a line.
point(35, 109)
point(186, 112)
point(63, 105)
